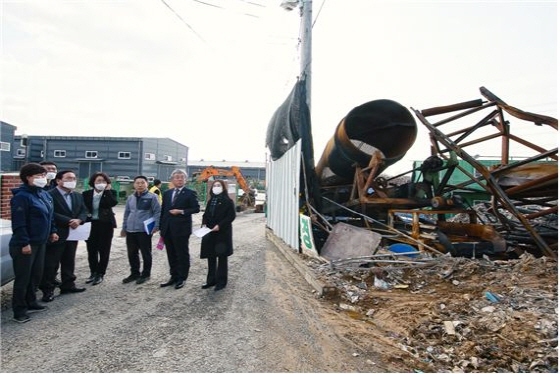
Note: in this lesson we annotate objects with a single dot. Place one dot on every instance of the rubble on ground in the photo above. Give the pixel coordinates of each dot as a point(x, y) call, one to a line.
point(450, 314)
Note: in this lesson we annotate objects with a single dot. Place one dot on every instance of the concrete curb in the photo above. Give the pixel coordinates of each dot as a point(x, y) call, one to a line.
point(323, 289)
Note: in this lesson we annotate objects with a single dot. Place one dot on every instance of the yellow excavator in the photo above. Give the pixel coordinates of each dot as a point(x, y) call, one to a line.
point(247, 200)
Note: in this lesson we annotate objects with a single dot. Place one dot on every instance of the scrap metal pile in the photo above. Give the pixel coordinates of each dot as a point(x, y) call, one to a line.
point(507, 205)
point(452, 264)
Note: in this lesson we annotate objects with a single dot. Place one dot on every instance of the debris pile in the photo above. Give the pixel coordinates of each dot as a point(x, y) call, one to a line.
point(453, 314)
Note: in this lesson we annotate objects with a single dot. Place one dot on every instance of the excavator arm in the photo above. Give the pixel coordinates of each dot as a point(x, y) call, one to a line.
point(241, 180)
point(211, 171)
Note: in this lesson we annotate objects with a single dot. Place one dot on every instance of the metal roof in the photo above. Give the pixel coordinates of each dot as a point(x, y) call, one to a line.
point(226, 164)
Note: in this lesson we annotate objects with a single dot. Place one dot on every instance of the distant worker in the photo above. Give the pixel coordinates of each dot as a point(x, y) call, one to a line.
point(51, 174)
point(179, 204)
point(142, 206)
point(217, 245)
point(156, 189)
point(100, 201)
point(32, 217)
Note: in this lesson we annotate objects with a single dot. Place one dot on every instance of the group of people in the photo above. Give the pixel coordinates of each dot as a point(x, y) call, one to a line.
point(46, 207)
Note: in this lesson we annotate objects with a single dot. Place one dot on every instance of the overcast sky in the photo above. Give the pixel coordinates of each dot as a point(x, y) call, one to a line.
point(210, 74)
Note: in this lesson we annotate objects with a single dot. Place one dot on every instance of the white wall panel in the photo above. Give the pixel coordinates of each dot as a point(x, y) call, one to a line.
point(282, 184)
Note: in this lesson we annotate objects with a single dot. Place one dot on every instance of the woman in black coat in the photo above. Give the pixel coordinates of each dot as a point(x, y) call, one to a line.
point(217, 245)
point(99, 202)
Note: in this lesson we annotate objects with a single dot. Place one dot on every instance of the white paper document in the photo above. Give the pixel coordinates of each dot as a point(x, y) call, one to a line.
point(80, 233)
point(201, 231)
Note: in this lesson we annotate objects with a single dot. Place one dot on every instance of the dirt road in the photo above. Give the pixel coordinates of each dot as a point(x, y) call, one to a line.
point(266, 320)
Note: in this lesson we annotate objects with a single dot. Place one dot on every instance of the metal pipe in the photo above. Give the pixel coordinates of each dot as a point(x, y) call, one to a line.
point(379, 126)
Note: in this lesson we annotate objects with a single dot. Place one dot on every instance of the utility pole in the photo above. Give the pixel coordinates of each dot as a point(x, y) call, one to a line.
point(306, 14)
point(306, 31)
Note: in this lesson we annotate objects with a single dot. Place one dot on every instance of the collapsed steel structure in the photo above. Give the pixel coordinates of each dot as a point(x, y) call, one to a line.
point(379, 133)
point(512, 185)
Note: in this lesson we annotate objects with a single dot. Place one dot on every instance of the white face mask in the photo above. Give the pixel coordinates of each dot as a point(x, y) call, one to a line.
point(40, 182)
point(51, 175)
point(217, 190)
point(100, 186)
point(70, 185)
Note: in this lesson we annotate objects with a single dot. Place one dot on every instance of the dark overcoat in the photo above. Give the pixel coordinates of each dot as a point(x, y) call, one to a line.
point(223, 215)
point(106, 204)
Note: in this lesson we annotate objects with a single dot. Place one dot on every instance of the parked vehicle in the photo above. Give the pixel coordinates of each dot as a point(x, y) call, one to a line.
point(7, 270)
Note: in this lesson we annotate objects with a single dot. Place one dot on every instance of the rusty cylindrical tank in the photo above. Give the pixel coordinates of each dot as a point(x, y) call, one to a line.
point(383, 125)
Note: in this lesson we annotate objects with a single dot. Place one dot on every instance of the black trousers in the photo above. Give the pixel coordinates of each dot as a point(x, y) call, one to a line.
point(217, 270)
point(61, 254)
point(177, 248)
point(139, 241)
point(99, 246)
point(28, 271)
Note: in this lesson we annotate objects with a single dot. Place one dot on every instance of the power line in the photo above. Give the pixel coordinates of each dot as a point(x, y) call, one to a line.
point(252, 3)
point(319, 12)
point(221, 7)
point(214, 5)
point(182, 20)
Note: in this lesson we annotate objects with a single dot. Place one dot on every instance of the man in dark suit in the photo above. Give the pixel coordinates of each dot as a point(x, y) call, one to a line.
point(178, 206)
point(69, 212)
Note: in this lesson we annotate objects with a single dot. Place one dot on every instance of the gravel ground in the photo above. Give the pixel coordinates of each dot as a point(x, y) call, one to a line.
point(266, 320)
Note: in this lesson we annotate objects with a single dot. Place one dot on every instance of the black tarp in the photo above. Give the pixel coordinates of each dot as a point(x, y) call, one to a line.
point(291, 122)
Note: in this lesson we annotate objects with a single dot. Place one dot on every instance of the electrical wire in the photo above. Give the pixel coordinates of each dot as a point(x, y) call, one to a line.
point(182, 20)
point(319, 12)
point(252, 3)
point(221, 7)
point(202, 2)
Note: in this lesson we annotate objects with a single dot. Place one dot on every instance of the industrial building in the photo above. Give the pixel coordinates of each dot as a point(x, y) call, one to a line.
point(7, 133)
point(122, 158)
